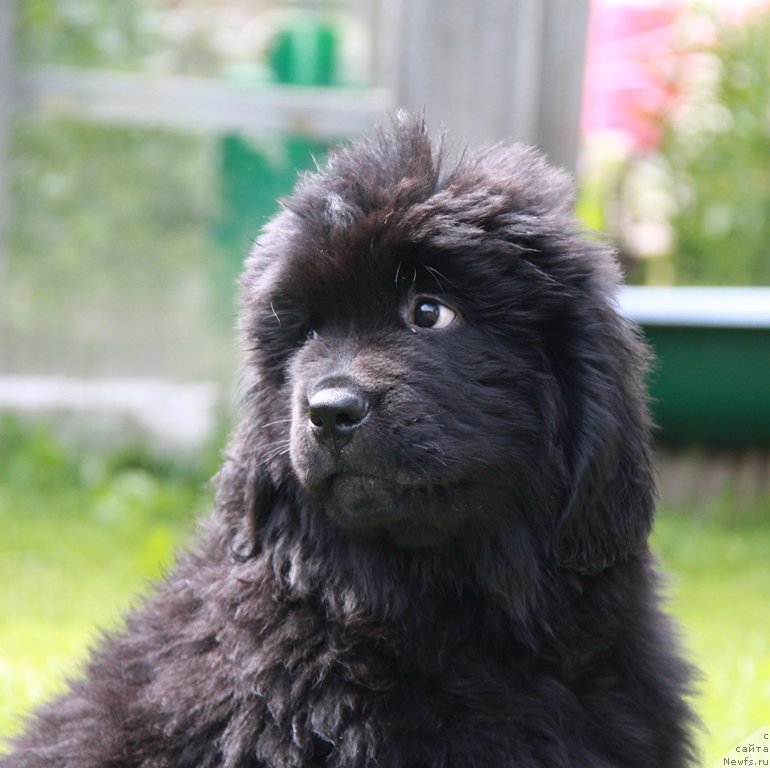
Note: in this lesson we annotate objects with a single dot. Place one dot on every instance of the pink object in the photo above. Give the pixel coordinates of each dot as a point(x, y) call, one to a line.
point(631, 68)
point(637, 64)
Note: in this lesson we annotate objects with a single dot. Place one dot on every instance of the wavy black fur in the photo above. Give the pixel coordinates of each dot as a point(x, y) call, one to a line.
point(467, 581)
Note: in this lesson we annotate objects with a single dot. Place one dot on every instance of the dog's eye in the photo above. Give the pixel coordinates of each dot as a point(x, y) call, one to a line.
point(429, 313)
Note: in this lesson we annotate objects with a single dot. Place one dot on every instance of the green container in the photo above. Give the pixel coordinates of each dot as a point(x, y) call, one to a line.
point(254, 175)
point(710, 383)
point(256, 171)
point(304, 52)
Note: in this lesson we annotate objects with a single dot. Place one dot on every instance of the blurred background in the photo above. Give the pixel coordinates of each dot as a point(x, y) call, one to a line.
point(142, 146)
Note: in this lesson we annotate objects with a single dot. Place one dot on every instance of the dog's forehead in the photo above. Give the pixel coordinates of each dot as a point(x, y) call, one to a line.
point(355, 261)
point(365, 272)
point(342, 244)
point(339, 243)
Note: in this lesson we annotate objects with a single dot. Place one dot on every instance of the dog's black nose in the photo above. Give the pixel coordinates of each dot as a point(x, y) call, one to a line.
point(336, 412)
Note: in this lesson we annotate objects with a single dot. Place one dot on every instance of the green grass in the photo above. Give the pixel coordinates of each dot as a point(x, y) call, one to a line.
point(720, 583)
point(83, 535)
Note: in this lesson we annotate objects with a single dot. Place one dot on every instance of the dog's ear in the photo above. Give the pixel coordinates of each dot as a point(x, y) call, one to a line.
point(609, 493)
point(244, 495)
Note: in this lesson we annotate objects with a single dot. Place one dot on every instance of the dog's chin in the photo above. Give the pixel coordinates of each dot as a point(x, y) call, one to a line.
point(378, 510)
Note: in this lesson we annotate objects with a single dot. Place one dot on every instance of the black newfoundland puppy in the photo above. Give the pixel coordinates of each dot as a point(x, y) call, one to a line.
point(429, 547)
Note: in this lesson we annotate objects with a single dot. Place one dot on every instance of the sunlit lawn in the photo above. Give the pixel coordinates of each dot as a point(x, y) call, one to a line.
point(81, 536)
point(720, 587)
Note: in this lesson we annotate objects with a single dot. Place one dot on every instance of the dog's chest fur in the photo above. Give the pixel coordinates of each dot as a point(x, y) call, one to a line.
point(307, 689)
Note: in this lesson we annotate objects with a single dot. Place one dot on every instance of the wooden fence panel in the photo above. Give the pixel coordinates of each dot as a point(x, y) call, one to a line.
point(489, 69)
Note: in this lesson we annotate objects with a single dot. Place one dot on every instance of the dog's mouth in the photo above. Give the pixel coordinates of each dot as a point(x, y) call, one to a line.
point(401, 510)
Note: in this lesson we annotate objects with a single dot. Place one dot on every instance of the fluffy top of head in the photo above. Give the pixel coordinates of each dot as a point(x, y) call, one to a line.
point(400, 169)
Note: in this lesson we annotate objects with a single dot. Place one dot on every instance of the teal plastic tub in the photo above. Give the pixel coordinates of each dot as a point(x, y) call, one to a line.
point(710, 382)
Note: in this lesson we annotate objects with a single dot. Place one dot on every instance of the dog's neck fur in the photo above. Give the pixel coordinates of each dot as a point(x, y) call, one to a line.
point(376, 587)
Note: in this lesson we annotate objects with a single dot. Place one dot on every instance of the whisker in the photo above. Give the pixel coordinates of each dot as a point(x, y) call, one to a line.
point(433, 449)
point(435, 274)
point(277, 421)
point(281, 449)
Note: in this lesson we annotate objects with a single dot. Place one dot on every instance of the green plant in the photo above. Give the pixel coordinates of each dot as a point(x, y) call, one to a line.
point(110, 255)
point(83, 535)
point(81, 32)
point(716, 149)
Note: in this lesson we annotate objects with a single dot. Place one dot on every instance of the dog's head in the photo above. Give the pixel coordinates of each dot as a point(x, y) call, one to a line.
point(435, 354)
